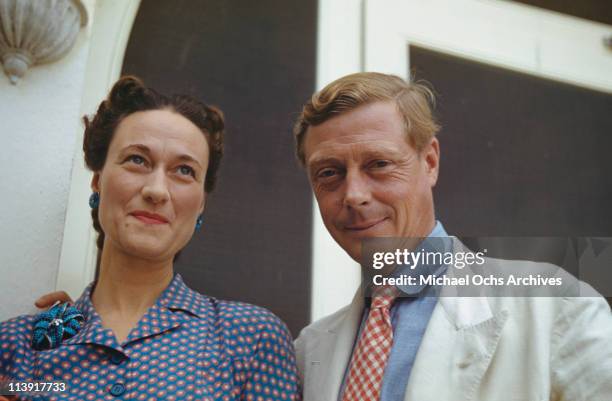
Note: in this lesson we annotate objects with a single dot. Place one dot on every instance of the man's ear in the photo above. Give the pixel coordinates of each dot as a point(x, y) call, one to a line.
point(95, 182)
point(431, 156)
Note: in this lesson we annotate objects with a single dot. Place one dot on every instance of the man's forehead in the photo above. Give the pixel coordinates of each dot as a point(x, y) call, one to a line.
point(354, 146)
point(378, 121)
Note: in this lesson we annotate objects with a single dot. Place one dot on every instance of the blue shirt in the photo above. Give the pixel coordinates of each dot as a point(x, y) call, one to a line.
point(410, 315)
point(186, 347)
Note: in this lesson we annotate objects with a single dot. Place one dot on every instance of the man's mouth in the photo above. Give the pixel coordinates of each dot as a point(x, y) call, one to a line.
point(363, 226)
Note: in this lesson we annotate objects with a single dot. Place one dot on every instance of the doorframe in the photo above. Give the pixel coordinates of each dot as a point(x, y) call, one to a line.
point(112, 24)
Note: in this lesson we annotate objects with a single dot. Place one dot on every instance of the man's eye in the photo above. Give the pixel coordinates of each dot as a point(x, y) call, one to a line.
point(326, 173)
point(380, 163)
point(186, 170)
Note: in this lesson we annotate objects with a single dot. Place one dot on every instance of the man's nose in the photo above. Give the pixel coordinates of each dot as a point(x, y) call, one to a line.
point(155, 189)
point(358, 191)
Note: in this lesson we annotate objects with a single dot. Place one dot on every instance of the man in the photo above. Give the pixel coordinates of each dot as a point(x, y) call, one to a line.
point(367, 142)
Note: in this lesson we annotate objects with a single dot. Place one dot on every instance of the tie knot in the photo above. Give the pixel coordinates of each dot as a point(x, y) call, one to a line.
point(383, 297)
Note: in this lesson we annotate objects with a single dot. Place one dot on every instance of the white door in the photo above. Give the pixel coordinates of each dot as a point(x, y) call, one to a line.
point(376, 35)
point(500, 33)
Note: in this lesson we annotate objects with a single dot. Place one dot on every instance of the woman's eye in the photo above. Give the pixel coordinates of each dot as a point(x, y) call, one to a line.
point(186, 170)
point(137, 159)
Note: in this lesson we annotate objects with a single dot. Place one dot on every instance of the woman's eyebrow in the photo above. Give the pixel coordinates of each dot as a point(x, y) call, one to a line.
point(145, 149)
point(138, 146)
point(188, 158)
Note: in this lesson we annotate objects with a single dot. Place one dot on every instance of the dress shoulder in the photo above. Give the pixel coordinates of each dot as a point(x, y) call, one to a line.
point(246, 328)
point(15, 348)
point(262, 350)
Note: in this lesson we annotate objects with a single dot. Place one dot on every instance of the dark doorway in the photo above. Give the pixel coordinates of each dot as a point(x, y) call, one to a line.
point(256, 61)
point(520, 155)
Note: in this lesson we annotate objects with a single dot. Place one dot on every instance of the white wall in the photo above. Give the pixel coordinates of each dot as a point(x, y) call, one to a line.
point(335, 276)
point(39, 124)
point(46, 241)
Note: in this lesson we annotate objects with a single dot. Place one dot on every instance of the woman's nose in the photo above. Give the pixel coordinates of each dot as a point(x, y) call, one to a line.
point(155, 189)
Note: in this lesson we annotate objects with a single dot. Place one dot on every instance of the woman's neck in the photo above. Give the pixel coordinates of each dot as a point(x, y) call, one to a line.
point(126, 288)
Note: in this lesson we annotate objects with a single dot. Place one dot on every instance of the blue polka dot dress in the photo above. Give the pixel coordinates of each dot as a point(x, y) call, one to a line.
point(186, 347)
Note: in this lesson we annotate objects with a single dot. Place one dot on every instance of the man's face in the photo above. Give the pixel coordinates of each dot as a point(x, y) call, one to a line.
point(368, 180)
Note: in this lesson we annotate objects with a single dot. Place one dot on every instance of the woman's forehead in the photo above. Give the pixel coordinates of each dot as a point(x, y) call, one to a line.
point(160, 130)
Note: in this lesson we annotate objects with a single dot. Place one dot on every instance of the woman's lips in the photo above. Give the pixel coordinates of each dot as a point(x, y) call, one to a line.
point(149, 218)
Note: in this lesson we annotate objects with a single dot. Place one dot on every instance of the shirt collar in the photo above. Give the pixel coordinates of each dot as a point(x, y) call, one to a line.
point(176, 297)
point(438, 231)
point(84, 303)
point(437, 241)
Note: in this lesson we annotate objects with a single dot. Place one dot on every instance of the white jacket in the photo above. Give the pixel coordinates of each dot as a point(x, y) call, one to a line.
point(481, 348)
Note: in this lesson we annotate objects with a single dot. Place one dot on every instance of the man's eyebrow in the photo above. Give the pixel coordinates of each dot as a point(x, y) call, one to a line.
point(318, 161)
point(381, 152)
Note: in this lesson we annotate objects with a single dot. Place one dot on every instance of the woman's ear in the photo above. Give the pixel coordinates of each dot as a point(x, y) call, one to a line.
point(95, 182)
point(203, 205)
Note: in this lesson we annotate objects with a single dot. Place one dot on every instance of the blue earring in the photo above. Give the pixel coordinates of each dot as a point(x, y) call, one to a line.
point(199, 222)
point(94, 200)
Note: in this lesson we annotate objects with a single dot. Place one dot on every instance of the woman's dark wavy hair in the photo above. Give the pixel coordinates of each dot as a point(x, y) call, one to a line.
point(130, 95)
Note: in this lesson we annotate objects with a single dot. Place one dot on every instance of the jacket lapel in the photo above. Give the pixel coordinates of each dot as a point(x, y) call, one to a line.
point(458, 345)
point(456, 350)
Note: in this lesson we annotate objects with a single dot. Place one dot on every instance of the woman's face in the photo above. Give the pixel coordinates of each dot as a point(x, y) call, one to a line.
point(152, 184)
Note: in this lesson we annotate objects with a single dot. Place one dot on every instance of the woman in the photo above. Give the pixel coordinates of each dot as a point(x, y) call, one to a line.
point(139, 332)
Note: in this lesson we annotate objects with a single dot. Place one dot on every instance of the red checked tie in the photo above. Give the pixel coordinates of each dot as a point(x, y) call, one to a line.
point(370, 356)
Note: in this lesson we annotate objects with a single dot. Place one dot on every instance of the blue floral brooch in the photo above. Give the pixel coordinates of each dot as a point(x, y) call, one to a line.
point(55, 325)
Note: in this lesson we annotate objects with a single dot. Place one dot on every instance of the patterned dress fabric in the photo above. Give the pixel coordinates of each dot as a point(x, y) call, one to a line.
point(186, 347)
point(365, 376)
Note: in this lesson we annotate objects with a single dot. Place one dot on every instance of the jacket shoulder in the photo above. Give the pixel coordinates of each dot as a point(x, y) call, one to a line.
point(325, 324)
point(312, 334)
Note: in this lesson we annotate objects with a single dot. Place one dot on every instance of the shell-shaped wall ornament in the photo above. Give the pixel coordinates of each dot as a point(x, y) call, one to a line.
point(37, 32)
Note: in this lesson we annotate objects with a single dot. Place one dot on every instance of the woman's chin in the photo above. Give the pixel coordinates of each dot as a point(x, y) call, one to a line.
point(149, 249)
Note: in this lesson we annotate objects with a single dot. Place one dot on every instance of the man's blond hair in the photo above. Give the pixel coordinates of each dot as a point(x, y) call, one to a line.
point(414, 102)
